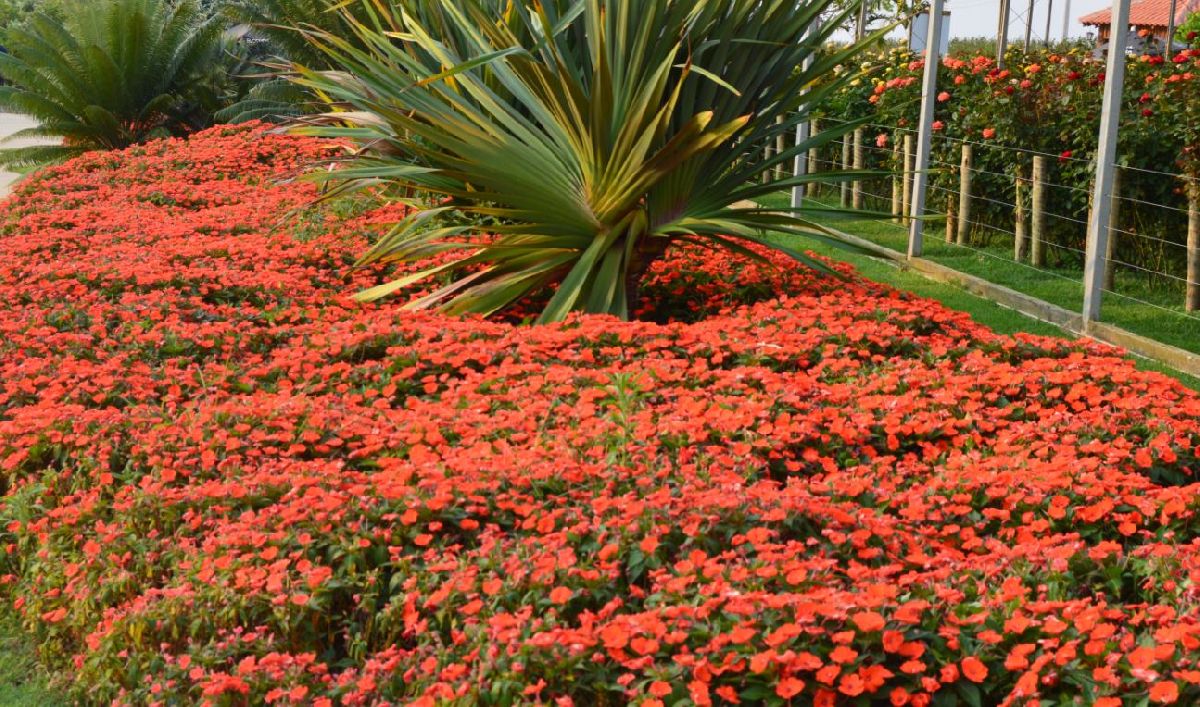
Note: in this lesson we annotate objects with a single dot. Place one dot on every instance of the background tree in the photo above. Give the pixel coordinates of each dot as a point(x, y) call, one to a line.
point(273, 37)
point(13, 12)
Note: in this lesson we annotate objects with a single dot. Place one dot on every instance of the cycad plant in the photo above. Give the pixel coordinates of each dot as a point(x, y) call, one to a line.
point(114, 73)
point(586, 136)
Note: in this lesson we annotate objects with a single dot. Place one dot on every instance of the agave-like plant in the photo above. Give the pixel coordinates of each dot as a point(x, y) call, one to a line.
point(114, 73)
point(587, 136)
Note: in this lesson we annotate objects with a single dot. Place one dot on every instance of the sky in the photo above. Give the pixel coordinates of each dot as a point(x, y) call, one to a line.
point(980, 18)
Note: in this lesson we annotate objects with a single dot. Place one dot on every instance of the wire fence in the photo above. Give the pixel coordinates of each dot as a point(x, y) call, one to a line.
point(1019, 218)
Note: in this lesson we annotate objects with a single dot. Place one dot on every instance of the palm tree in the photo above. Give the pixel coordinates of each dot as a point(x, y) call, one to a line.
point(114, 73)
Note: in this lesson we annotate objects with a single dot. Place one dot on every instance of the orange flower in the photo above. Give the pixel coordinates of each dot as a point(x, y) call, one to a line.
point(1141, 657)
point(974, 669)
point(1164, 693)
point(851, 685)
point(843, 655)
point(788, 688)
point(868, 621)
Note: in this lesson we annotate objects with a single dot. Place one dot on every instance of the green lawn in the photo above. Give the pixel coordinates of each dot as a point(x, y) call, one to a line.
point(1159, 315)
point(22, 681)
point(1000, 319)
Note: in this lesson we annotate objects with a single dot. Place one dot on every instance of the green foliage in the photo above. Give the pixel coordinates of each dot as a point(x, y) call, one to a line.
point(278, 40)
point(283, 24)
point(114, 73)
point(588, 136)
point(14, 12)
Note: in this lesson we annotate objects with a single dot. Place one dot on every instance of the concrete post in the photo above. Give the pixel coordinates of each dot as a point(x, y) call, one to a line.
point(1106, 154)
point(933, 45)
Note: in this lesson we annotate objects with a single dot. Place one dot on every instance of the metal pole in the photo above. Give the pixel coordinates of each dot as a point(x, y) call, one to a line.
point(1106, 153)
point(1029, 25)
point(1002, 33)
point(1169, 49)
point(1049, 14)
point(933, 45)
point(1066, 19)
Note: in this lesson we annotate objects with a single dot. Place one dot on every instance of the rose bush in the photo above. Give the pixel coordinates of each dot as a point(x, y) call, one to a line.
point(1048, 103)
point(227, 483)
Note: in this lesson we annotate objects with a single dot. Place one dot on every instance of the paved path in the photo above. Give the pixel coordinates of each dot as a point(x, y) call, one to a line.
point(9, 124)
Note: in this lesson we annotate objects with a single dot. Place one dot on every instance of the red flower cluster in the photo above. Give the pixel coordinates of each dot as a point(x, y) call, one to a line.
point(226, 483)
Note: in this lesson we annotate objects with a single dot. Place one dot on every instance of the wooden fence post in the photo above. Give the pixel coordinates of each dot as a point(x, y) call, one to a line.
point(951, 220)
point(766, 174)
point(845, 165)
point(908, 168)
point(814, 158)
point(1114, 219)
point(1037, 254)
point(1021, 225)
point(1193, 248)
point(964, 196)
point(859, 163)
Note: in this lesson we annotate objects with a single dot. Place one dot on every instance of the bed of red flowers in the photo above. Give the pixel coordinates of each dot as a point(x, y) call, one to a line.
point(226, 483)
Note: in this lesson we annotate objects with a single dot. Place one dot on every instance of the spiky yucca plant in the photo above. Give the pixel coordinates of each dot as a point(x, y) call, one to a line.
point(589, 135)
point(113, 74)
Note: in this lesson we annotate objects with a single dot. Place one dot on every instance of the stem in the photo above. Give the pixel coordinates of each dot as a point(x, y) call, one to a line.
point(647, 251)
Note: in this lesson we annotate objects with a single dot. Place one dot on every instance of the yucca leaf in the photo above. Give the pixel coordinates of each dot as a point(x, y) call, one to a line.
point(590, 135)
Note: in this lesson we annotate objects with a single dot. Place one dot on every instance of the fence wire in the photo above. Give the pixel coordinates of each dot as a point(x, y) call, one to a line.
point(1146, 267)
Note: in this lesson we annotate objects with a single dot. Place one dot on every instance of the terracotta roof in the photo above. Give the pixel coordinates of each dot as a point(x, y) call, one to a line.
point(1146, 13)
